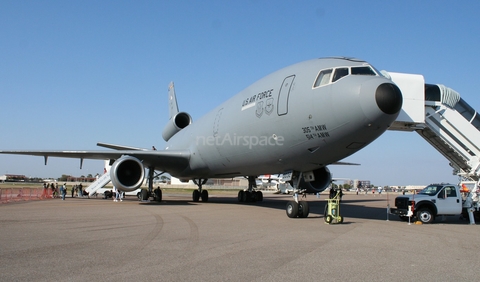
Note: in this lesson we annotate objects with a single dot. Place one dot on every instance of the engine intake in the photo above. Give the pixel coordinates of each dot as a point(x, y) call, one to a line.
point(127, 173)
point(323, 178)
point(175, 124)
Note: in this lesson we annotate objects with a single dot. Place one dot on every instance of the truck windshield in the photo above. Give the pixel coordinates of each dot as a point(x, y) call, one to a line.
point(431, 190)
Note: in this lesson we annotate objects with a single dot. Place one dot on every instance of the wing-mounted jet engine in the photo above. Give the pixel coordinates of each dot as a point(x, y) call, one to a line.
point(316, 181)
point(127, 173)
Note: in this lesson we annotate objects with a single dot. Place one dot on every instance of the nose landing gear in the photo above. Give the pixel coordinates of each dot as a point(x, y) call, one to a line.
point(297, 208)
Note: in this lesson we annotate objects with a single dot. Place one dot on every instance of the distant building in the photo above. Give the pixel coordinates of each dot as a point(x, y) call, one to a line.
point(80, 179)
point(360, 184)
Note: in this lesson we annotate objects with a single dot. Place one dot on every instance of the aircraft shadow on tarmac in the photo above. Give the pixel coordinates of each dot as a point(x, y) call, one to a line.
point(348, 208)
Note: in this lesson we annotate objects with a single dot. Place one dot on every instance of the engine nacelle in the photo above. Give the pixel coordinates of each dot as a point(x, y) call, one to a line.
point(175, 124)
point(322, 178)
point(127, 173)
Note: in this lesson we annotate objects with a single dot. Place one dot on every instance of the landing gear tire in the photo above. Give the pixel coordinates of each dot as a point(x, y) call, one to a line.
point(144, 195)
point(157, 195)
point(204, 196)
point(196, 195)
point(292, 209)
point(258, 196)
point(303, 209)
point(241, 196)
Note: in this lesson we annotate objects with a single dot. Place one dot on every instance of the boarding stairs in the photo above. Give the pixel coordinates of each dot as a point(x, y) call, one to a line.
point(443, 119)
point(99, 183)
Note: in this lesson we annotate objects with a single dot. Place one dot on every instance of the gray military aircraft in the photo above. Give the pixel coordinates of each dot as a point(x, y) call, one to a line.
point(294, 122)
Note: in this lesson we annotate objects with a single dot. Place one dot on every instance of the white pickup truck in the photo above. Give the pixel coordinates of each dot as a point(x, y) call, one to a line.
point(434, 200)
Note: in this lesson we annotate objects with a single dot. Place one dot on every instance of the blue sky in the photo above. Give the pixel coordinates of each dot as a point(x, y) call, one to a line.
point(74, 73)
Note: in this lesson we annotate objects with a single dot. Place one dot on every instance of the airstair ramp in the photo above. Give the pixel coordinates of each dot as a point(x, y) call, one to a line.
point(99, 183)
point(443, 119)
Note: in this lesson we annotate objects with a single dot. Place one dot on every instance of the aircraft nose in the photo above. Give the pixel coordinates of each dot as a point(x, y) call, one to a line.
point(389, 98)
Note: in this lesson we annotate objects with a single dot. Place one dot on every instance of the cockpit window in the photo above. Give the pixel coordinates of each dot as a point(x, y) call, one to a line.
point(362, 71)
point(323, 78)
point(339, 73)
point(332, 75)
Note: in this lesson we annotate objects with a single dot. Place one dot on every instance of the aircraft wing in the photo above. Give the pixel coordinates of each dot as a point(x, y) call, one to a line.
point(162, 160)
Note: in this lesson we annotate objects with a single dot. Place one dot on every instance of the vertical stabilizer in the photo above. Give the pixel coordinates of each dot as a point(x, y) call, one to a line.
point(172, 100)
point(177, 120)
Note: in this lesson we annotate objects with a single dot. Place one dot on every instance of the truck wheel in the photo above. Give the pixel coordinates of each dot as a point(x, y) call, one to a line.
point(425, 215)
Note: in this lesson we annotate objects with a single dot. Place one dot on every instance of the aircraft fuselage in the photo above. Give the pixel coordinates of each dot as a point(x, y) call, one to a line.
point(301, 118)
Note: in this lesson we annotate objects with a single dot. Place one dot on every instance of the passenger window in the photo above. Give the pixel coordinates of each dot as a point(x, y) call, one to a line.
point(362, 71)
point(339, 73)
point(323, 78)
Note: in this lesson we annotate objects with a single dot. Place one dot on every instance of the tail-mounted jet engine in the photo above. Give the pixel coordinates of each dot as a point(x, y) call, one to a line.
point(127, 173)
point(316, 181)
point(175, 124)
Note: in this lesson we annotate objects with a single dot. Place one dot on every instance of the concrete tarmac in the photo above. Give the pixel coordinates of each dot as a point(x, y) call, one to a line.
point(223, 240)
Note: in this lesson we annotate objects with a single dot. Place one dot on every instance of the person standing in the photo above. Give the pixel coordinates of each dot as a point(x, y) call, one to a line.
point(115, 193)
point(45, 190)
point(80, 192)
point(63, 190)
point(331, 194)
point(52, 187)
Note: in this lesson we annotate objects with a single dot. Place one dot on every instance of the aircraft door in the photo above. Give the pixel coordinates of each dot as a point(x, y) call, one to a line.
point(282, 104)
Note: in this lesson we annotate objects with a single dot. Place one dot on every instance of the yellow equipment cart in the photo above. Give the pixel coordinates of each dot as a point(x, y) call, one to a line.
point(332, 210)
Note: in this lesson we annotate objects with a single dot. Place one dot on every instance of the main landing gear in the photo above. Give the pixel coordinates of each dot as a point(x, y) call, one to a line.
point(250, 195)
point(297, 208)
point(200, 193)
point(144, 194)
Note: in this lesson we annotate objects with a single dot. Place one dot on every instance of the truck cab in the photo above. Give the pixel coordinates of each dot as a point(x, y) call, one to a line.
point(432, 201)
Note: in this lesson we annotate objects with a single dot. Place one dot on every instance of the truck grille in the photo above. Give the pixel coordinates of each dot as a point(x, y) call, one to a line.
point(401, 202)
